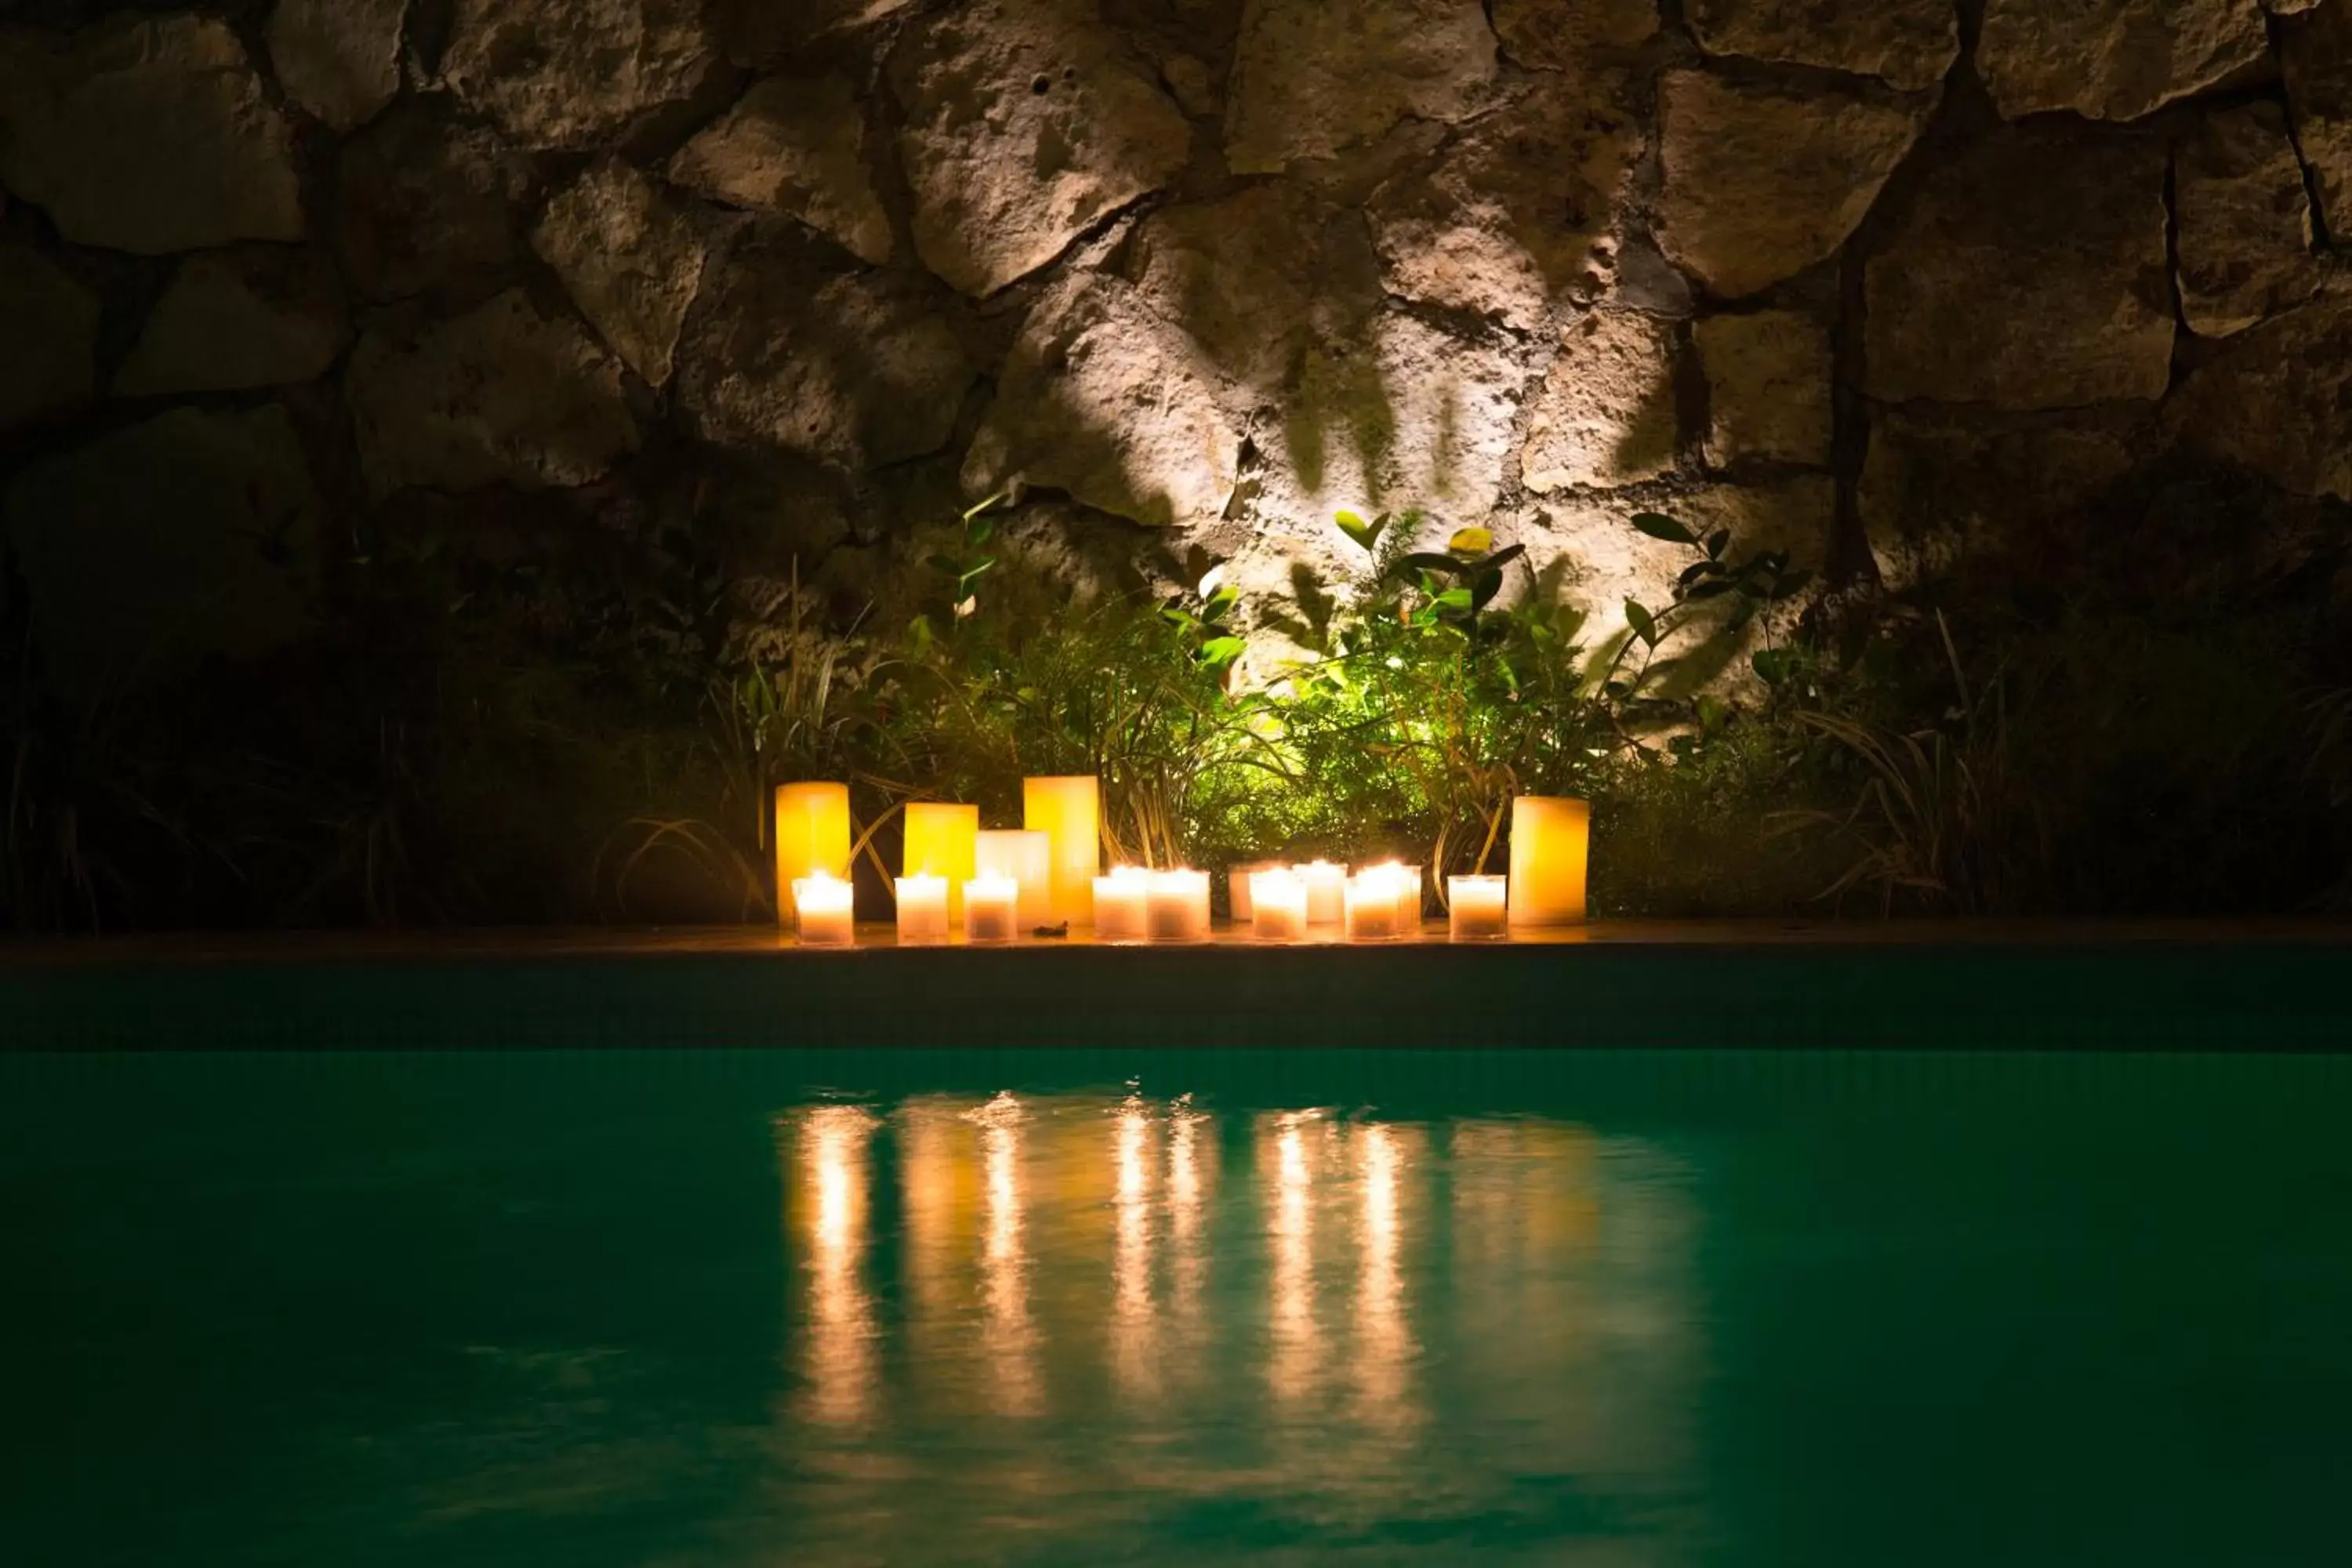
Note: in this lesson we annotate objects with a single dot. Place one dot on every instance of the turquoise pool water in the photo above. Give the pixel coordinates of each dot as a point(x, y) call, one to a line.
point(1005, 1307)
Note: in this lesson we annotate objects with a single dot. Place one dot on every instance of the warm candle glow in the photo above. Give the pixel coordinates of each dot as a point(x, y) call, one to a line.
point(1238, 891)
point(1550, 838)
point(825, 907)
point(1477, 909)
point(991, 908)
point(943, 841)
point(1068, 811)
point(1327, 889)
point(1027, 858)
point(812, 836)
point(1374, 896)
point(1277, 904)
point(922, 908)
point(1119, 904)
point(1176, 907)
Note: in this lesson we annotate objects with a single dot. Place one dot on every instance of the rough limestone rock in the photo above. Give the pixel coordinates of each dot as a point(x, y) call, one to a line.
point(218, 510)
point(502, 394)
point(150, 136)
point(2029, 274)
point(1518, 213)
point(1934, 488)
point(1760, 184)
point(2244, 222)
point(1565, 35)
point(2279, 400)
point(1910, 43)
point(1256, 277)
point(1768, 378)
point(1106, 402)
point(2113, 60)
point(1312, 77)
point(795, 146)
point(48, 323)
point(426, 205)
point(2316, 50)
point(572, 73)
point(859, 371)
point(1027, 124)
point(340, 59)
point(765, 33)
point(1599, 562)
point(630, 259)
point(1606, 415)
point(257, 316)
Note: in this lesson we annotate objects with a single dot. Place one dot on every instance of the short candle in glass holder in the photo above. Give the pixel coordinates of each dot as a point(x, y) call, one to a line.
point(922, 908)
point(1478, 908)
point(1277, 904)
point(1027, 856)
point(826, 908)
point(1238, 891)
point(1177, 906)
point(1372, 900)
point(1326, 891)
point(1120, 900)
point(992, 908)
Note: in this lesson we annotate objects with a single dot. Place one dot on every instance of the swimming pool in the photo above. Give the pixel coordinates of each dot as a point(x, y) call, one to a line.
point(1000, 1305)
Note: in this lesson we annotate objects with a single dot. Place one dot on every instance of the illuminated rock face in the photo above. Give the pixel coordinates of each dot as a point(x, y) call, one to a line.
point(1191, 273)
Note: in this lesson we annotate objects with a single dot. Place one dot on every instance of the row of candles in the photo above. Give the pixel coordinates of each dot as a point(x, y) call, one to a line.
point(996, 886)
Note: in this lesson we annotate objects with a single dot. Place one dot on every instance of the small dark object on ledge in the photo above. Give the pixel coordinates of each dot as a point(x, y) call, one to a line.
point(1052, 931)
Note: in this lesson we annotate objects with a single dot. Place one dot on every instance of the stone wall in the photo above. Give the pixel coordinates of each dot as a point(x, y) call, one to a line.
point(1868, 277)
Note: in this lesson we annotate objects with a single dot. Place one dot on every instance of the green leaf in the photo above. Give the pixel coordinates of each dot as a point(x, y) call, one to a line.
point(1717, 542)
point(1471, 542)
point(1712, 588)
point(920, 629)
point(1712, 711)
point(1489, 583)
point(1220, 604)
point(1222, 650)
point(1645, 624)
point(1354, 526)
point(1658, 525)
point(1453, 601)
point(1770, 664)
point(1792, 584)
point(981, 531)
point(1696, 571)
point(975, 569)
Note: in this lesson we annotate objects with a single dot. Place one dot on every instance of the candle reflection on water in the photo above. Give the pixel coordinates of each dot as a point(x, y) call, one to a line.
point(838, 1353)
point(1291, 1366)
point(1009, 1335)
point(1384, 1342)
point(1134, 1328)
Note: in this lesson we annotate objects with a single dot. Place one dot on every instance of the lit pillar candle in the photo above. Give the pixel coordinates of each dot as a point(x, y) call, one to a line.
point(1176, 907)
point(1068, 811)
point(1277, 904)
point(812, 836)
point(1238, 888)
point(1549, 837)
point(1326, 891)
point(991, 908)
point(943, 841)
point(827, 910)
point(1476, 908)
point(1119, 904)
point(1371, 902)
point(1410, 898)
point(1026, 857)
point(922, 908)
